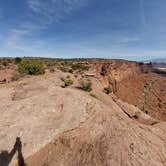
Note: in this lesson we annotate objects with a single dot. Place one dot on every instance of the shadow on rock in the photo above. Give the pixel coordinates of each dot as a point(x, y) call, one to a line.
point(6, 157)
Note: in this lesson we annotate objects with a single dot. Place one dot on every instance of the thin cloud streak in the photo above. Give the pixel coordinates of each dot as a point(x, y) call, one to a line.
point(54, 10)
point(16, 40)
point(46, 12)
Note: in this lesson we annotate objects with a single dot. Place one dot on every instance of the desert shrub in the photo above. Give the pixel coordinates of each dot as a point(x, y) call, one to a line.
point(31, 67)
point(79, 66)
point(65, 63)
point(64, 69)
point(8, 60)
point(86, 85)
point(17, 60)
point(5, 63)
point(16, 76)
point(70, 71)
point(50, 63)
point(62, 63)
point(107, 90)
point(67, 82)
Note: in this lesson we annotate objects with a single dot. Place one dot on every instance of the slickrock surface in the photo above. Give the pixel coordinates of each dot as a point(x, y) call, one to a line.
point(108, 137)
point(69, 127)
point(37, 109)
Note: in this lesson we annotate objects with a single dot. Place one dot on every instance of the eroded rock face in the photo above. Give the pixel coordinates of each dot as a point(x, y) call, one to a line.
point(113, 71)
point(147, 92)
point(105, 69)
point(136, 84)
point(117, 69)
point(108, 137)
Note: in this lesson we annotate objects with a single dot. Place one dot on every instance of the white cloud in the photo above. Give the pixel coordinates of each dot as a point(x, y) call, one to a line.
point(127, 39)
point(19, 32)
point(17, 39)
point(54, 10)
point(44, 12)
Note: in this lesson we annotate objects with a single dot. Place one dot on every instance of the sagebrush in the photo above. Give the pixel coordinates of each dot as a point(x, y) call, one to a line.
point(31, 67)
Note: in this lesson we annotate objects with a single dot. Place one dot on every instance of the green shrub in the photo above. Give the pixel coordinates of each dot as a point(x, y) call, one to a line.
point(17, 60)
point(31, 67)
point(86, 85)
point(5, 63)
point(79, 66)
point(67, 82)
point(107, 90)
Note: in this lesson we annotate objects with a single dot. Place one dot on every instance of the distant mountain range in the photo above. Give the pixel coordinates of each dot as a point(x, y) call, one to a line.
point(163, 60)
point(157, 62)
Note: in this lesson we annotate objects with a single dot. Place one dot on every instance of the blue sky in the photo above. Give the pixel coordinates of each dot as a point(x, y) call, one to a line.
point(127, 29)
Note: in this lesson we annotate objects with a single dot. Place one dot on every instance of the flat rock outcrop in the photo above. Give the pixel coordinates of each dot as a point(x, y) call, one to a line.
point(107, 137)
